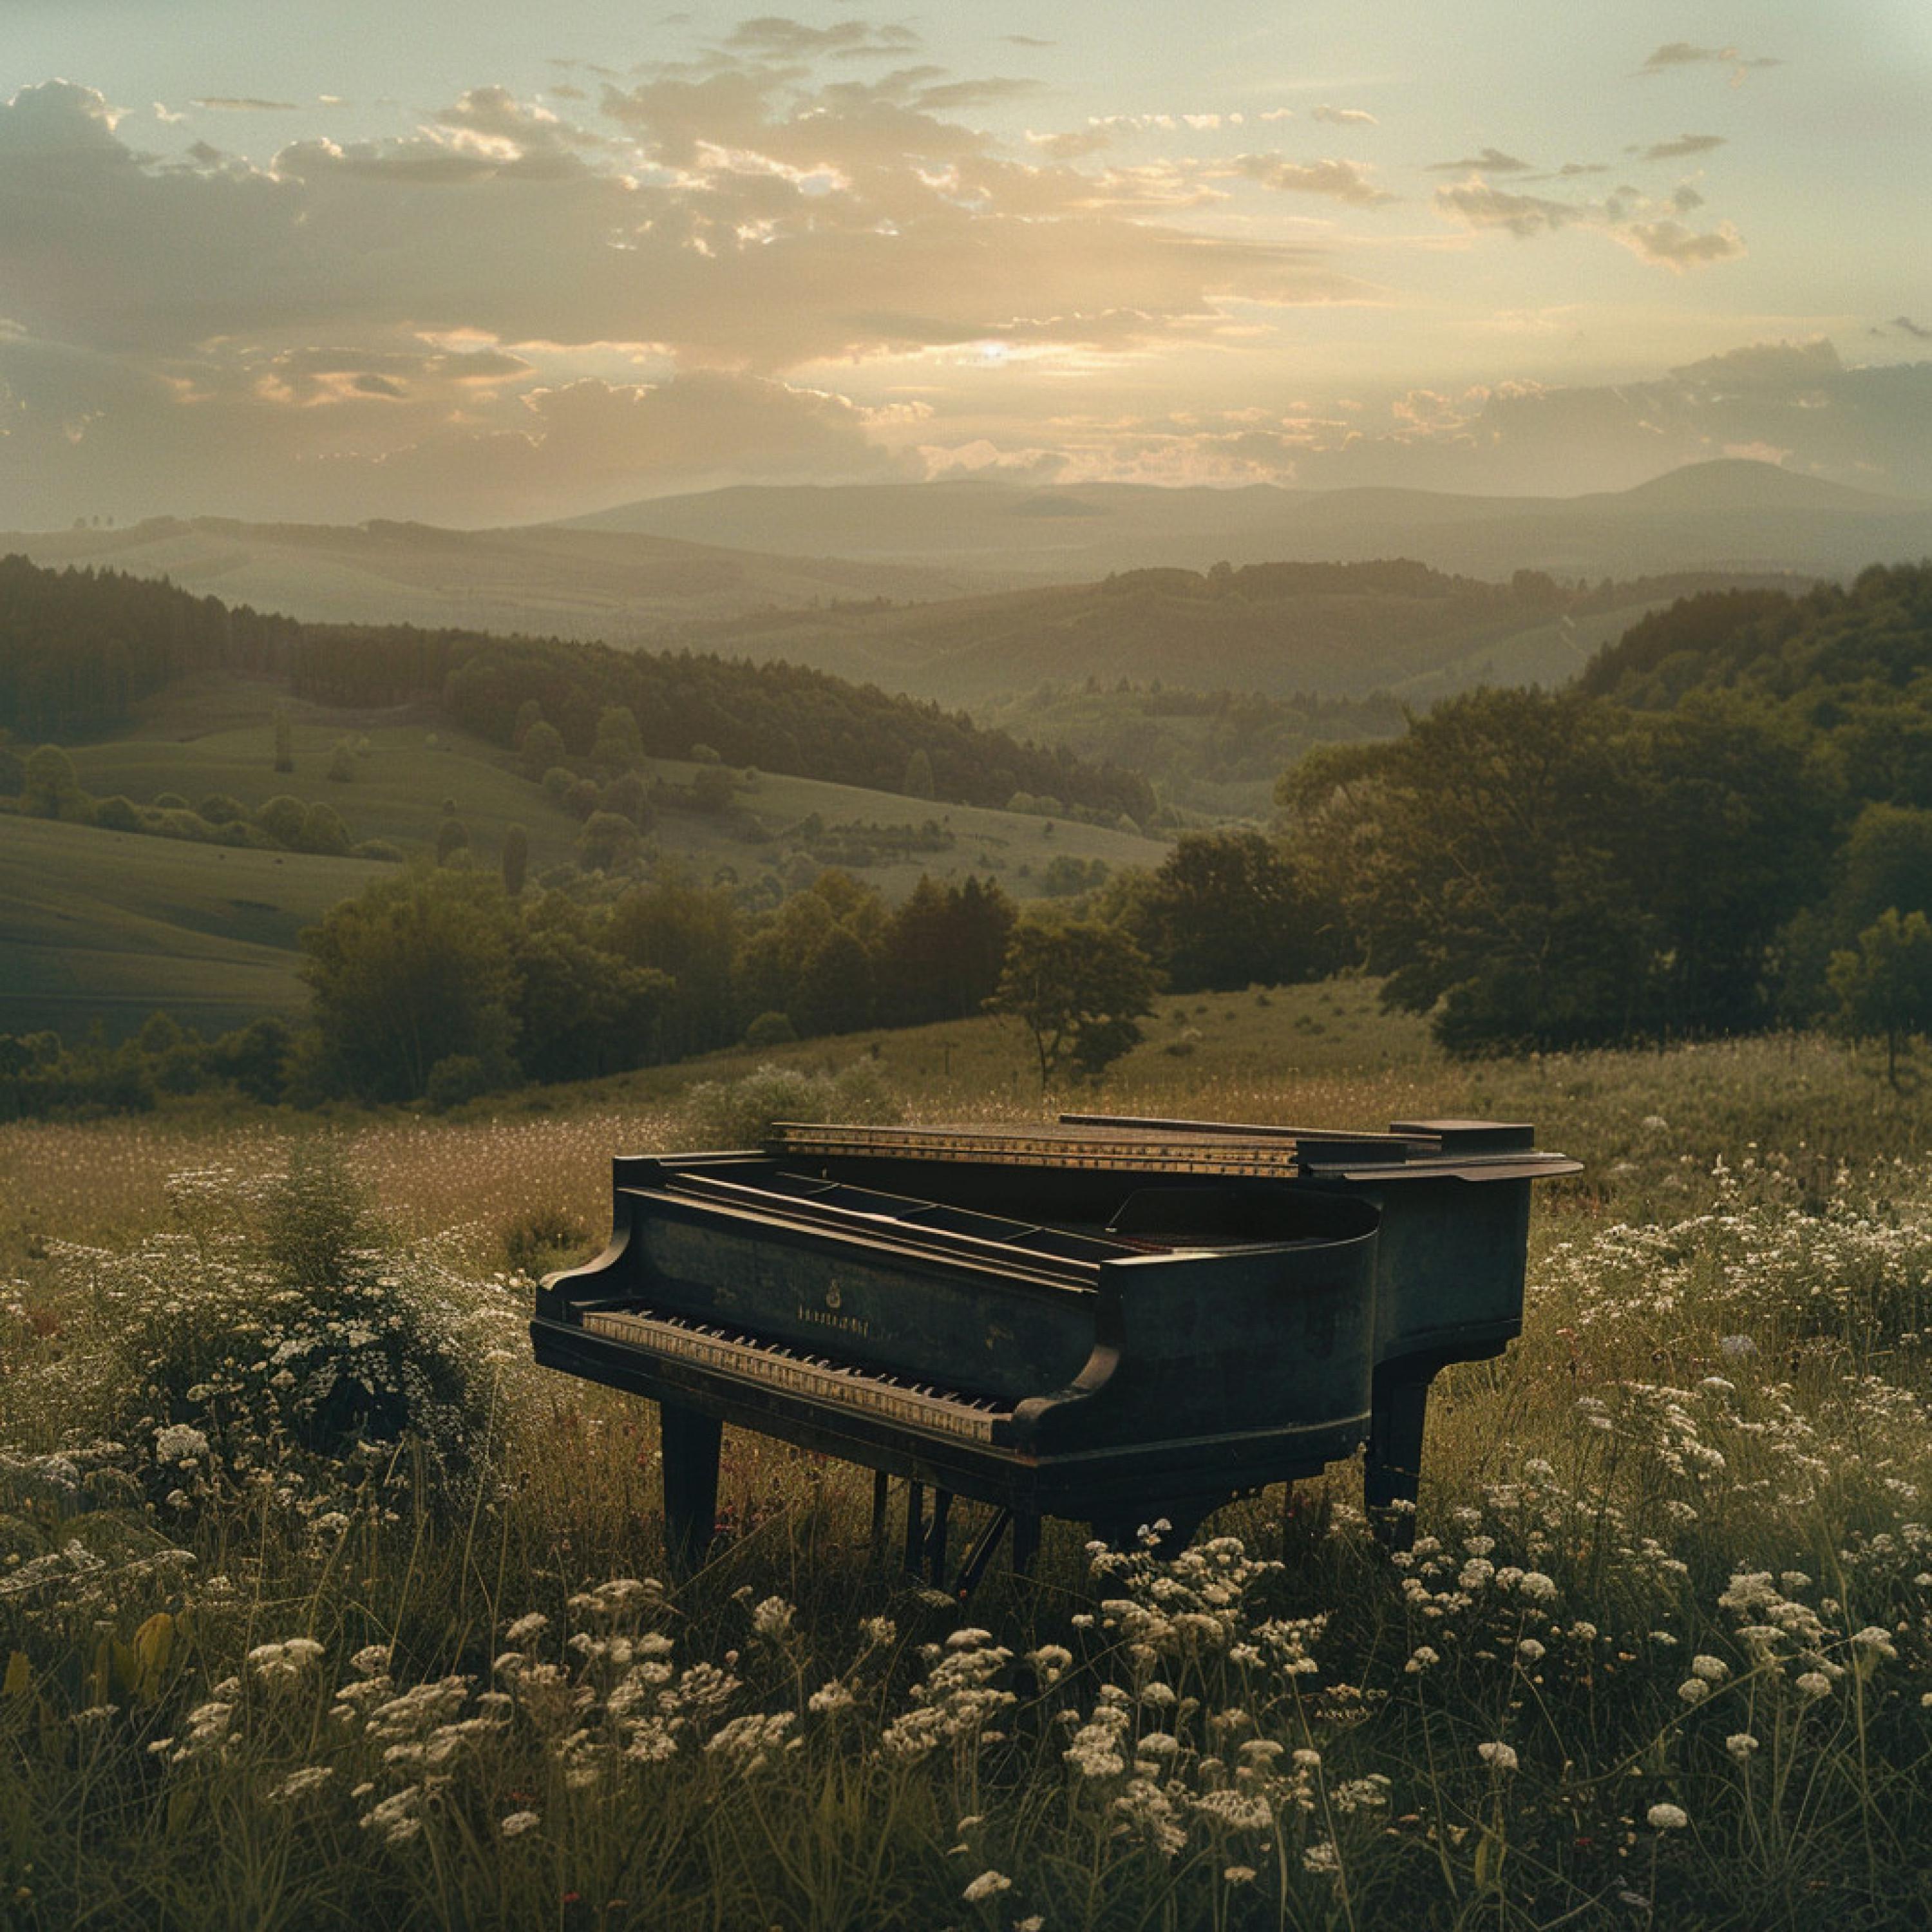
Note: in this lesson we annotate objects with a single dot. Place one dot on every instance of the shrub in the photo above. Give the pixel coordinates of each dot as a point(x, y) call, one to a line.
point(771, 1029)
point(740, 1113)
point(455, 1078)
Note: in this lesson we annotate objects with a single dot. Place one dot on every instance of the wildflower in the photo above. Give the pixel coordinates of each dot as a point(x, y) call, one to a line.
point(1666, 1818)
point(1239, 1875)
point(988, 1885)
point(279, 1665)
point(531, 1625)
point(1498, 1756)
point(1741, 1745)
point(1735, 1348)
point(772, 1619)
point(1711, 1670)
point(371, 1661)
point(1874, 1639)
point(178, 1443)
point(1321, 1856)
point(835, 1696)
point(518, 1823)
point(1814, 1684)
point(1422, 1657)
point(300, 1784)
point(1530, 1650)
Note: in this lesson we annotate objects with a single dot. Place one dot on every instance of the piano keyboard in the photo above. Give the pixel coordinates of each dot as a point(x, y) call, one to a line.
point(923, 1405)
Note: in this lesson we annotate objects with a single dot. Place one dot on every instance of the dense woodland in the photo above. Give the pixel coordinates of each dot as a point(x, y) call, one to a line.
point(1701, 836)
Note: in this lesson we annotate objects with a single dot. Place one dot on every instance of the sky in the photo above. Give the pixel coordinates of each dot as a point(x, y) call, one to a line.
point(484, 264)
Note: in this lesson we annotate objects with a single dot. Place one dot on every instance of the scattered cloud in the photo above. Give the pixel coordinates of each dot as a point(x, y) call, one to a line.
point(243, 103)
point(1676, 54)
point(1672, 245)
point(1477, 203)
point(1490, 161)
point(1684, 146)
point(1340, 181)
point(1906, 326)
point(1344, 117)
point(774, 37)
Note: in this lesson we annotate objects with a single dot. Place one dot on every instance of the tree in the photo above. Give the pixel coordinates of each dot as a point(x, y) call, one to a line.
point(608, 843)
point(452, 836)
point(1079, 987)
point(50, 789)
point(1230, 909)
point(579, 1011)
point(415, 970)
point(342, 762)
point(543, 750)
point(918, 780)
point(619, 745)
point(516, 858)
point(285, 740)
point(1884, 988)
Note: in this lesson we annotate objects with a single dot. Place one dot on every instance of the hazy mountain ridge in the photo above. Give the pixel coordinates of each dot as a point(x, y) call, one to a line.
point(1729, 513)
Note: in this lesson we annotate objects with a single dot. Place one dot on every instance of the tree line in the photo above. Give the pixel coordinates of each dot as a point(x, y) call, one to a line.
point(1699, 837)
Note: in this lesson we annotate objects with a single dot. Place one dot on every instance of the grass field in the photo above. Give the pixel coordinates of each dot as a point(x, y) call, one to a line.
point(1659, 1657)
point(110, 926)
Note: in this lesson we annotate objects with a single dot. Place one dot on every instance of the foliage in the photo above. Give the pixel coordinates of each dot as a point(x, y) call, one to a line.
point(418, 969)
point(1884, 988)
point(1079, 987)
point(741, 1113)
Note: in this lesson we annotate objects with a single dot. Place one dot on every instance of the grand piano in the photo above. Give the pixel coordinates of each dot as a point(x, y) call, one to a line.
point(1112, 1319)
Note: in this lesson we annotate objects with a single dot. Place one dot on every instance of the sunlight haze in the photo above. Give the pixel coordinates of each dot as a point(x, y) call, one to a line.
point(483, 264)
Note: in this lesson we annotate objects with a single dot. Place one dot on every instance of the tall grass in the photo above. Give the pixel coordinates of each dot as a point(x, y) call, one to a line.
point(1662, 1654)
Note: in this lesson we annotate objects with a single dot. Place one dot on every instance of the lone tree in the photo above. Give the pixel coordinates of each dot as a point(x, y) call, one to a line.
point(1079, 986)
point(1884, 988)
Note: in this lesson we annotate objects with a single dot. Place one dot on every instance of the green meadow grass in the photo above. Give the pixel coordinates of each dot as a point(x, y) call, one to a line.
point(1663, 1655)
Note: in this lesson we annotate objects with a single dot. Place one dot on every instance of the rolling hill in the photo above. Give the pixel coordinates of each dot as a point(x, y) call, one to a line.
point(107, 926)
point(549, 580)
point(1728, 515)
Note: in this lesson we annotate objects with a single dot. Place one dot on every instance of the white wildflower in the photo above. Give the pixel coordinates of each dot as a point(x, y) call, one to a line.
point(518, 1823)
point(1741, 1745)
point(989, 1884)
point(1498, 1756)
point(1666, 1818)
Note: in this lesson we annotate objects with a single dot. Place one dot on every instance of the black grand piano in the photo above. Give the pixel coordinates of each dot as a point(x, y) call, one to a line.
point(1112, 1319)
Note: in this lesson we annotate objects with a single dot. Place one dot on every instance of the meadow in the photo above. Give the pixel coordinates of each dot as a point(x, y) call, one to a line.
point(320, 1605)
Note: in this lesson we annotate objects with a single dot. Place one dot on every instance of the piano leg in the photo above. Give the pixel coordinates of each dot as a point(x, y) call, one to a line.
point(915, 1526)
point(690, 1443)
point(1391, 1476)
point(980, 1553)
point(935, 1537)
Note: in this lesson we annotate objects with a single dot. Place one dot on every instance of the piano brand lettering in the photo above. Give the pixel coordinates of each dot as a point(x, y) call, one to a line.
point(828, 1317)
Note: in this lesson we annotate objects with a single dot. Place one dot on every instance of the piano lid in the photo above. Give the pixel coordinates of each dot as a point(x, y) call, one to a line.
point(1067, 1145)
point(1464, 1149)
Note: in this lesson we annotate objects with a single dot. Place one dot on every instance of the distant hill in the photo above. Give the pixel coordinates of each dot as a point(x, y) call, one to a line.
point(547, 579)
point(1329, 631)
point(1728, 515)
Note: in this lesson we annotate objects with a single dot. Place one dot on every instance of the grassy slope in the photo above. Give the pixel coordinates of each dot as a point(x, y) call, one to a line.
point(571, 582)
point(103, 925)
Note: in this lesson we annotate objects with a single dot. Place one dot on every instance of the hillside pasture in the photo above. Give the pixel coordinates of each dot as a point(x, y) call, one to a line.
point(108, 926)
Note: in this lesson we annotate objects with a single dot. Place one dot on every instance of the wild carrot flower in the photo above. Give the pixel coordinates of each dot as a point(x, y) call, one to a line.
point(988, 1885)
point(1498, 1756)
point(1666, 1818)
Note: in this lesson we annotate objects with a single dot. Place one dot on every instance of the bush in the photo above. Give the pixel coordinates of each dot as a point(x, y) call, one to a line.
point(117, 814)
point(293, 1342)
point(771, 1029)
point(740, 1113)
point(455, 1078)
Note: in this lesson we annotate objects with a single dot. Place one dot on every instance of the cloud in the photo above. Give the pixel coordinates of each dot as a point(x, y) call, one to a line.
point(1650, 229)
point(1675, 54)
point(1480, 205)
point(1906, 326)
point(243, 104)
point(1027, 41)
point(774, 37)
point(1490, 161)
point(1071, 145)
point(1340, 181)
point(1677, 150)
point(1344, 117)
point(1673, 245)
